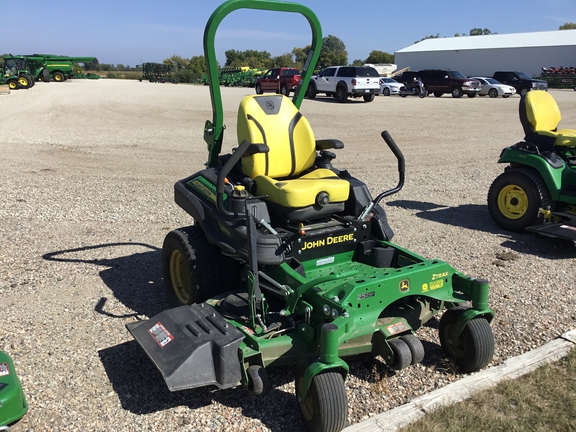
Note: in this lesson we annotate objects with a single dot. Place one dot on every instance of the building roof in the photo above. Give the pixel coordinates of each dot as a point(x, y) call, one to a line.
point(512, 40)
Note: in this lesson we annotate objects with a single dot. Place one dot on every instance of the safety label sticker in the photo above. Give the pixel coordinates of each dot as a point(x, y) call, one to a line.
point(161, 335)
point(397, 328)
point(4, 369)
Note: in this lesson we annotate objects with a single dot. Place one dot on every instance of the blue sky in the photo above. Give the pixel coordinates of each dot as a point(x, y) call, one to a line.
point(132, 32)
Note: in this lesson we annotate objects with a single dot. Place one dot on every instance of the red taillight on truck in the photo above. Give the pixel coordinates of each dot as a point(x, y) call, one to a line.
point(353, 81)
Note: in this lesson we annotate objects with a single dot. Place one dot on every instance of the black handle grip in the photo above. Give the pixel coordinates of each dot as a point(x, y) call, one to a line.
point(220, 184)
point(395, 150)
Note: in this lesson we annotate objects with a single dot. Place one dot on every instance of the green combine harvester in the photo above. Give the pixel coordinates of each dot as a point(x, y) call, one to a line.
point(13, 404)
point(289, 261)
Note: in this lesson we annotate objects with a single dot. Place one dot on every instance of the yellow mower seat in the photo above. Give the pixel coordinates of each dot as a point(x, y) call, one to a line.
point(540, 115)
point(285, 173)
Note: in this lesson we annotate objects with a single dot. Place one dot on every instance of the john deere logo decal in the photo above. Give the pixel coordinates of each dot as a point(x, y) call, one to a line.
point(270, 105)
point(404, 285)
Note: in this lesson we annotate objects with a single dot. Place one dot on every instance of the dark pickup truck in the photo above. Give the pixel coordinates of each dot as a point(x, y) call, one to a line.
point(278, 80)
point(521, 81)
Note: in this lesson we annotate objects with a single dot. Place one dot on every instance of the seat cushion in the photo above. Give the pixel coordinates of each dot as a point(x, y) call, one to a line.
point(565, 137)
point(302, 191)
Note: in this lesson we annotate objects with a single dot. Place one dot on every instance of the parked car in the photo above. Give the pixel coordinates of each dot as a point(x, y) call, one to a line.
point(389, 86)
point(278, 80)
point(521, 81)
point(342, 82)
point(494, 88)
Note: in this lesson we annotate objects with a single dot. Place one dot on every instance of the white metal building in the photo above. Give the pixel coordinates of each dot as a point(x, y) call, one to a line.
point(483, 55)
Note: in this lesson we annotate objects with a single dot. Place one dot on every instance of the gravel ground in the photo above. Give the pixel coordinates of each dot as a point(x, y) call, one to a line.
point(87, 198)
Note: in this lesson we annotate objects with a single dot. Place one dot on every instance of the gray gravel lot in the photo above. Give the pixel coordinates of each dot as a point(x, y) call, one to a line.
point(88, 169)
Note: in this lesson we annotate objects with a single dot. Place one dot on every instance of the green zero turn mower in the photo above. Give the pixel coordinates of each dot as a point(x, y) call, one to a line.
point(537, 190)
point(12, 401)
point(289, 262)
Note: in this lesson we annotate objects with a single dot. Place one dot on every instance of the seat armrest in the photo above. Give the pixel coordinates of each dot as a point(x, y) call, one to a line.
point(326, 144)
point(256, 148)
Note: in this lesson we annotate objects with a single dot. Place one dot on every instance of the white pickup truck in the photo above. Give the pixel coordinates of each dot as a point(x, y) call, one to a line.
point(344, 81)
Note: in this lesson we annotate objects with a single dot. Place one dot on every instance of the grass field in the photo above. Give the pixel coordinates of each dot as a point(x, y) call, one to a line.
point(544, 400)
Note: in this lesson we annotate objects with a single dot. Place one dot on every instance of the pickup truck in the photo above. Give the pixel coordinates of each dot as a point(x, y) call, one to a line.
point(278, 80)
point(521, 81)
point(342, 82)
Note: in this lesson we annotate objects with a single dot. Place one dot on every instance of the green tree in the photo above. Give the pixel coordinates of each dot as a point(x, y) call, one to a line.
point(428, 37)
point(93, 66)
point(567, 26)
point(479, 32)
point(333, 52)
point(176, 62)
point(357, 62)
point(376, 57)
point(197, 65)
point(251, 58)
point(284, 60)
point(299, 56)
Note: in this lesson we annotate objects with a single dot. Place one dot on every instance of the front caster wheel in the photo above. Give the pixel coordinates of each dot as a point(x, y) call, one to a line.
point(257, 380)
point(474, 348)
point(402, 354)
point(324, 407)
point(416, 348)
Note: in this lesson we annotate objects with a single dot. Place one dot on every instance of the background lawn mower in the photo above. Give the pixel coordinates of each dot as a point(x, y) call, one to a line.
point(537, 191)
point(13, 404)
point(289, 262)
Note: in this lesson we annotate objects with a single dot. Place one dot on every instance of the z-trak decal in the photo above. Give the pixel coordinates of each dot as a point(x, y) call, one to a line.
point(4, 369)
point(439, 275)
point(327, 241)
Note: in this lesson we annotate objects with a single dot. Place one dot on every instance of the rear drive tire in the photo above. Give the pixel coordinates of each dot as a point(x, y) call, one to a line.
point(59, 76)
point(45, 75)
point(193, 269)
point(516, 197)
point(24, 81)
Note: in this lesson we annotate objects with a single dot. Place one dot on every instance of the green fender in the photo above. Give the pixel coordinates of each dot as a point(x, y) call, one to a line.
point(13, 404)
point(552, 176)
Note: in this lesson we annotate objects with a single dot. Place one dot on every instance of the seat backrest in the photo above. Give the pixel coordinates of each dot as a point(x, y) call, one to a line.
point(275, 121)
point(539, 112)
